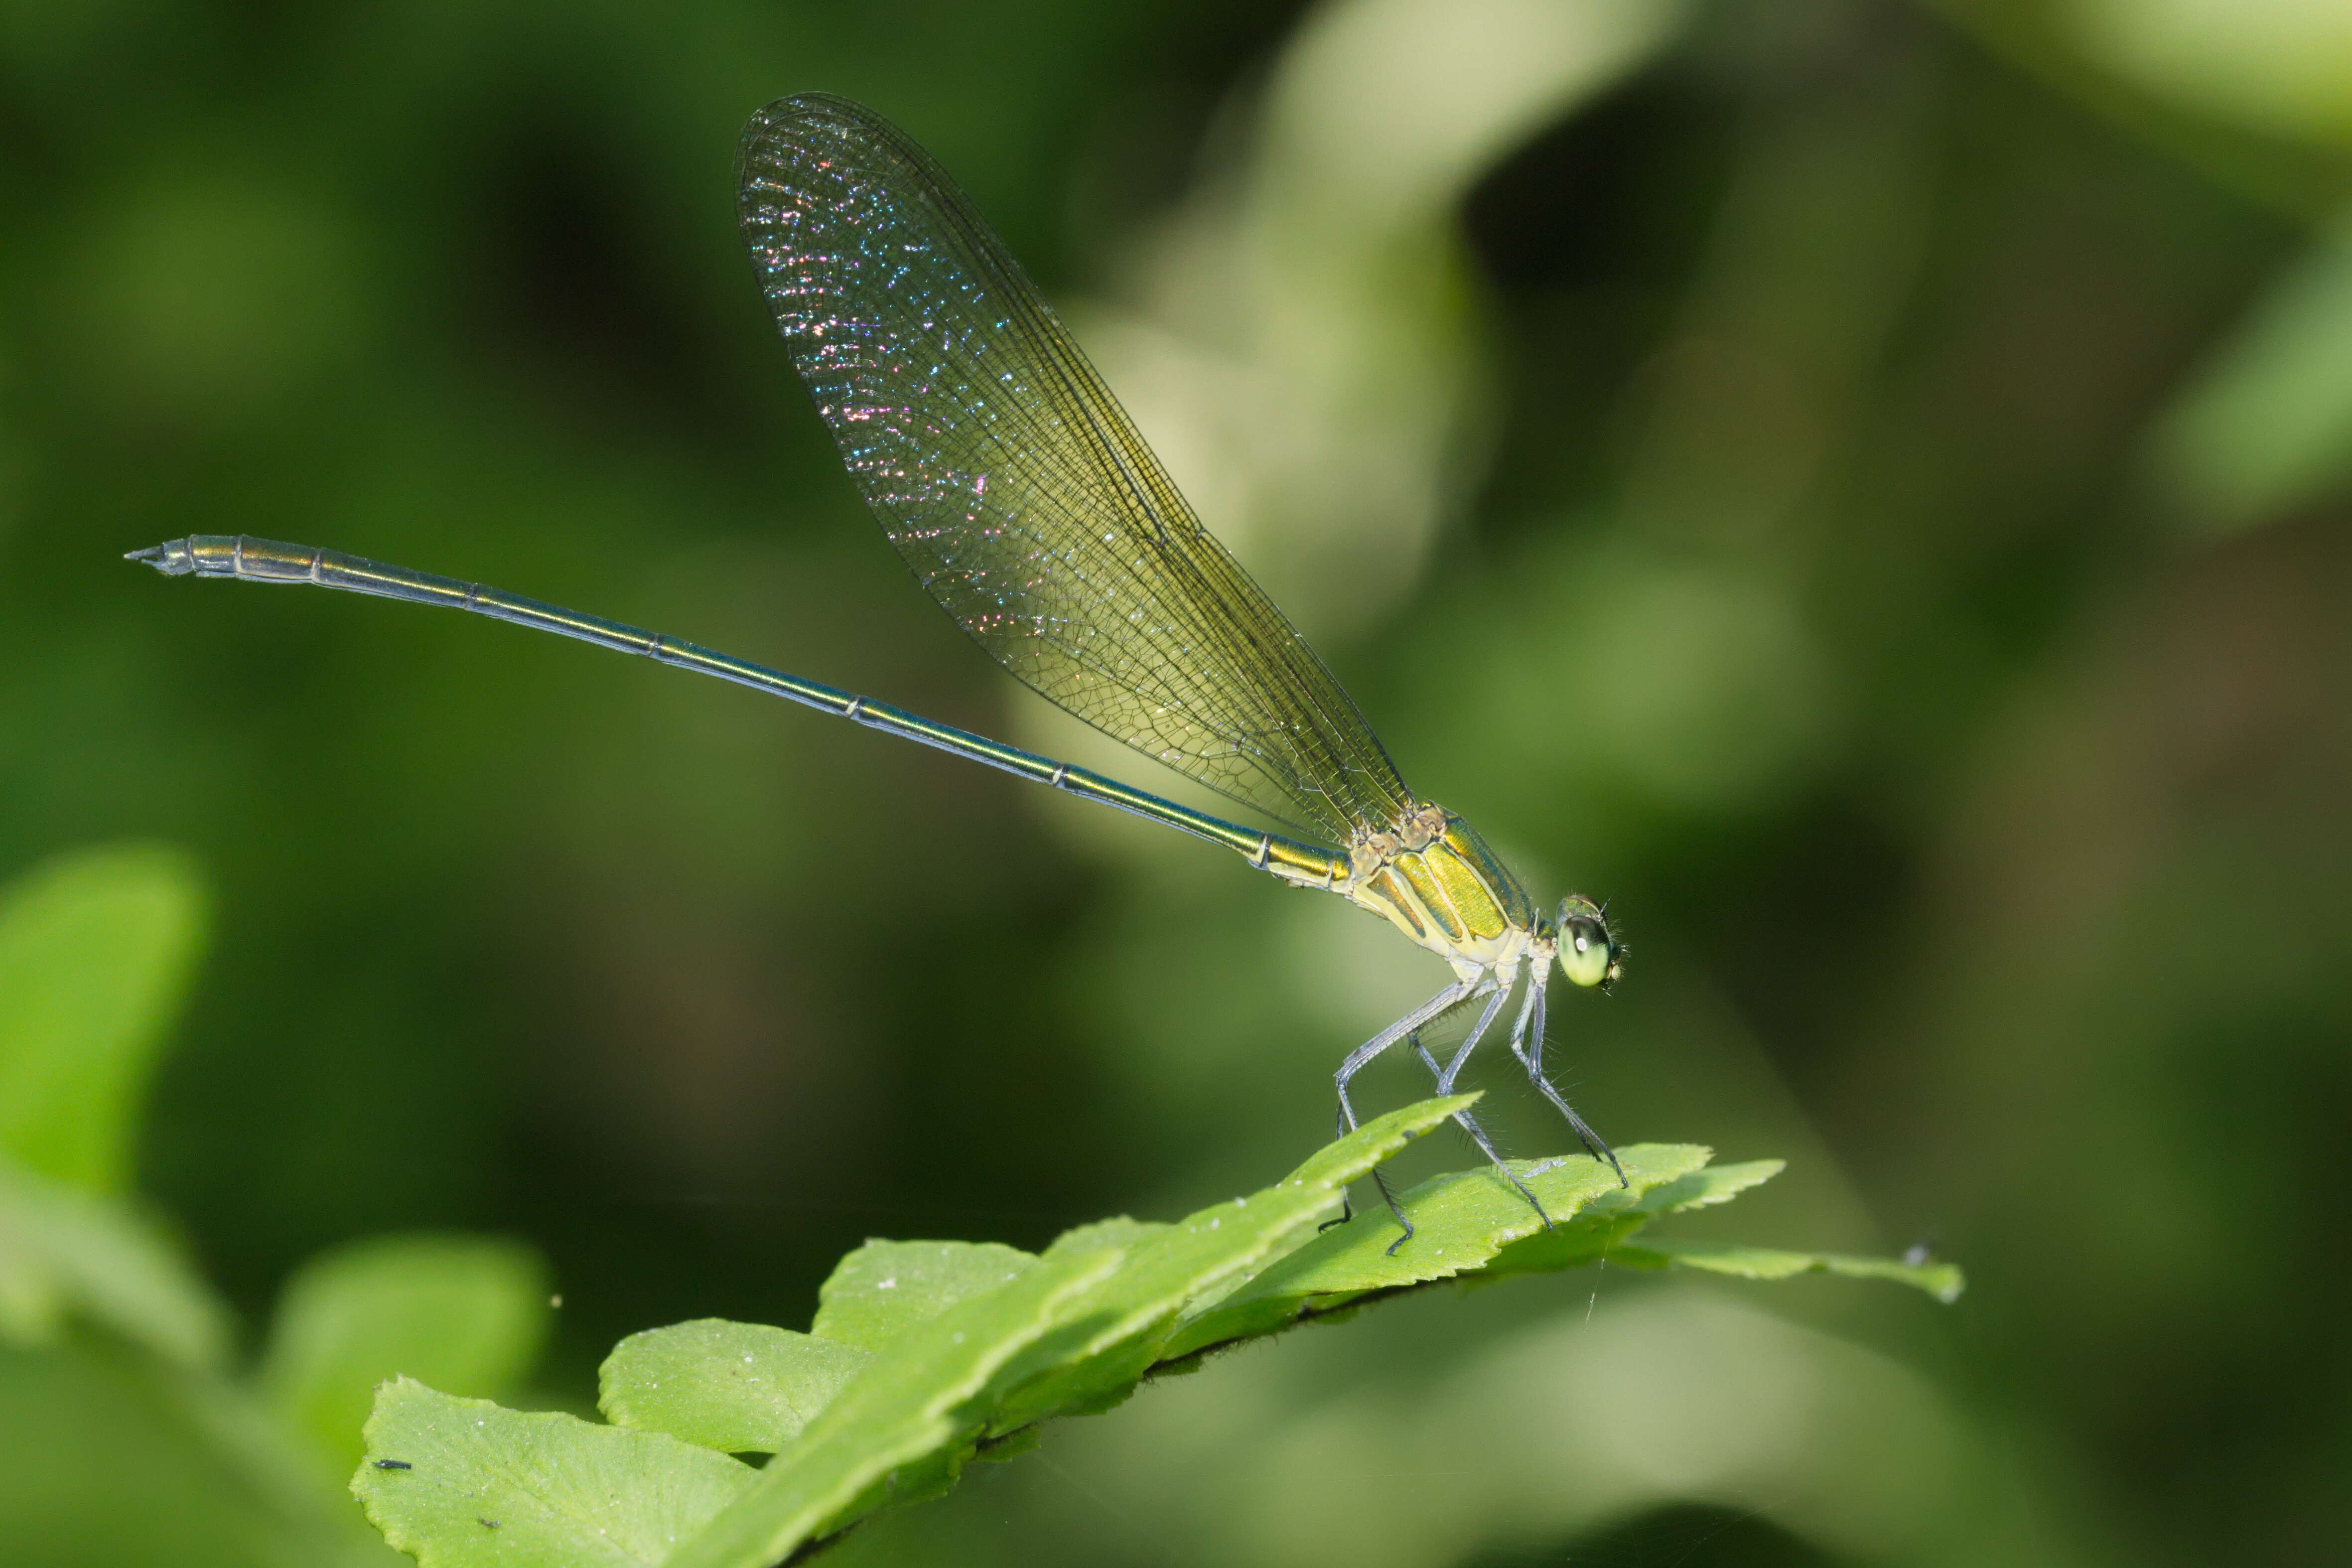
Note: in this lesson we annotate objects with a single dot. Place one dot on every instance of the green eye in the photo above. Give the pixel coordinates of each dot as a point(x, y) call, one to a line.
point(1587, 956)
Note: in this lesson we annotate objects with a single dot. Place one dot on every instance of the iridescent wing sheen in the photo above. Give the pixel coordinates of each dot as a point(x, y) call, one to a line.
point(1016, 488)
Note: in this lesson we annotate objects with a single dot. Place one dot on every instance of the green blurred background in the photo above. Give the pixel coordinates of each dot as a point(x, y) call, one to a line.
point(1861, 485)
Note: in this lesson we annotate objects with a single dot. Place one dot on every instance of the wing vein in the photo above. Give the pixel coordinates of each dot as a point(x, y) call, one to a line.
point(1018, 490)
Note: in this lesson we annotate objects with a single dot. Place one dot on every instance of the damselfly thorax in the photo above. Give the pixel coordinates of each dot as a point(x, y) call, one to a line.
point(1433, 877)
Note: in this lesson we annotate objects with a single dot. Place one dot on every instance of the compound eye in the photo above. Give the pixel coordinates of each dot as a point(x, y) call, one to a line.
point(1587, 956)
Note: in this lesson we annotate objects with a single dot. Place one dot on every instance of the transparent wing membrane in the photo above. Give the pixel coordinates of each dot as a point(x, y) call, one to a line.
point(1016, 488)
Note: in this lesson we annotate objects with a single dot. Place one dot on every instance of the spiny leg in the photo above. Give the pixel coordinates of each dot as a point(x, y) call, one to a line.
point(1410, 1024)
point(1469, 1124)
point(1539, 993)
point(1469, 1041)
point(1380, 1177)
point(1531, 1056)
point(1388, 1196)
point(1380, 1180)
point(1530, 1008)
point(1346, 1204)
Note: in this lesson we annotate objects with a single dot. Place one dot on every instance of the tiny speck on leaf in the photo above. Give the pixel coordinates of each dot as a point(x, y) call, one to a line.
point(393, 1465)
point(486, 1523)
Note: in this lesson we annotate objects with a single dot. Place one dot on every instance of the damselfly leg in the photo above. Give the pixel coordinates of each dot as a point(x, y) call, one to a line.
point(1528, 1045)
point(1410, 1024)
point(1445, 1076)
point(1388, 1196)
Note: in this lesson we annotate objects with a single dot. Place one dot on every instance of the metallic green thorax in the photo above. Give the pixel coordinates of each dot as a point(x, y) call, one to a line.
point(1436, 879)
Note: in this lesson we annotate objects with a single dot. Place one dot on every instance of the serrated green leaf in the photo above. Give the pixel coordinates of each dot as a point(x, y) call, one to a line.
point(1706, 1188)
point(95, 952)
point(902, 1426)
point(980, 1344)
point(66, 1254)
point(1120, 1231)
point(740, 1388)
point(1463, 1223)
point(1114, 1338)
point(884, 1288)
point(465, 1314)
point(1944, 1281)
point(471, 1485)
point(1012, 1446)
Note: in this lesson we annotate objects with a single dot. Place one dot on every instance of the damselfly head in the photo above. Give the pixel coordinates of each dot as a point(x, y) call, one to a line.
point(1589, 956)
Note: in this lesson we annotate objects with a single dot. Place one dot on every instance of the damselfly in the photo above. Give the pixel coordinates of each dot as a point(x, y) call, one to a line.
point(1022, 497)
